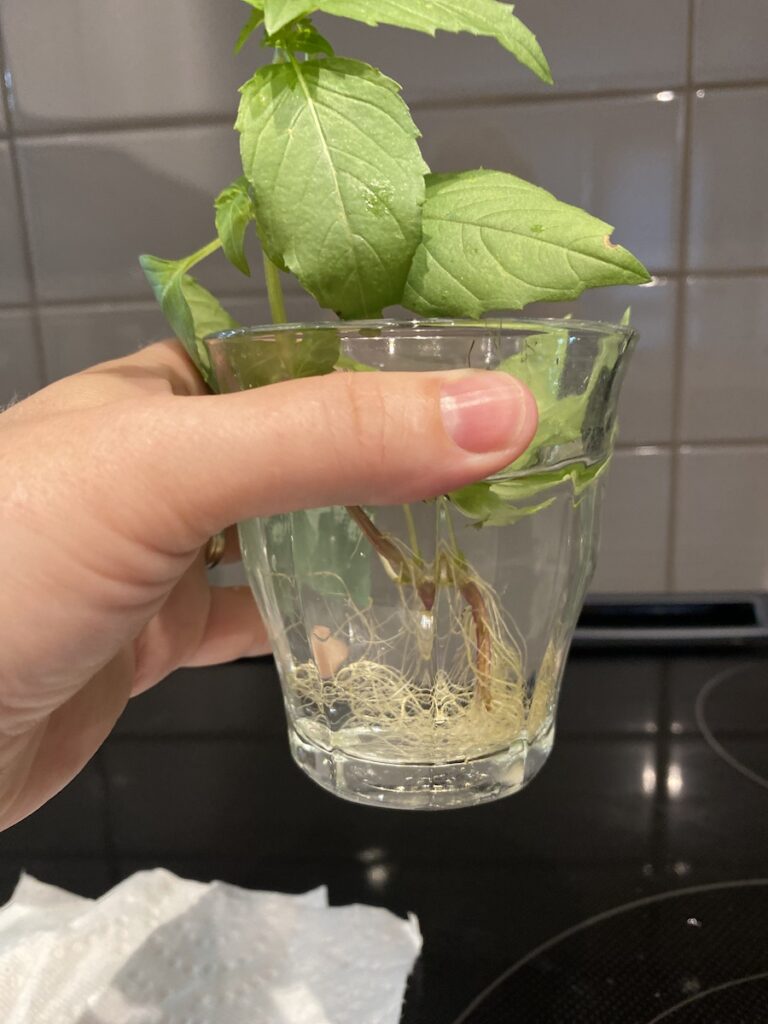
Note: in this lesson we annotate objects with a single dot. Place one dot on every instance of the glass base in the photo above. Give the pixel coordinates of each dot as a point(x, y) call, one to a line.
point(423, 787)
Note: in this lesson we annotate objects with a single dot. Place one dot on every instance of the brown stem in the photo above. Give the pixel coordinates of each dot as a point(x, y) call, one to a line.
point(391, 553)
point(474, 598)
point(426, 589)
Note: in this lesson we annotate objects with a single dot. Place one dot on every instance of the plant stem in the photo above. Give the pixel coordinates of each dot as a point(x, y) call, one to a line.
point(402, 569)
point(412, 536)
point(406, 572)
point(201, 254)
point(388, 550)
point(274, 291)
point(473, 596)
point(449, 523)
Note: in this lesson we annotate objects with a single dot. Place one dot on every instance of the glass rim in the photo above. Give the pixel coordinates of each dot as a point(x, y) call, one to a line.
point(599, 328)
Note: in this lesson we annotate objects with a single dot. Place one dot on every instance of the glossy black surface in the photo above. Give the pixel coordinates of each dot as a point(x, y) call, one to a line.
point(634, 802)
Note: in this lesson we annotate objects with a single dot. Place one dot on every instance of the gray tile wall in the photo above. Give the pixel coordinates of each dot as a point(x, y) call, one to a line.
point(115, 131)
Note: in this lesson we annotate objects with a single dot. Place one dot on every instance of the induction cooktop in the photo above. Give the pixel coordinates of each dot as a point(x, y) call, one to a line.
point(628, 884)
point(693, 955)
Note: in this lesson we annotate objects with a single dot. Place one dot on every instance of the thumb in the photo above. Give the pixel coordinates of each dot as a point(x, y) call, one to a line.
point(346, 438)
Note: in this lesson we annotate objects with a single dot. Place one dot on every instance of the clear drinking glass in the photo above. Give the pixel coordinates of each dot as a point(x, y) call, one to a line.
point(421, 652)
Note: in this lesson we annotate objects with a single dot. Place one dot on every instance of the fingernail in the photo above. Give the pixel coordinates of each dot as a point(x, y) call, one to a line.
point(486, 411)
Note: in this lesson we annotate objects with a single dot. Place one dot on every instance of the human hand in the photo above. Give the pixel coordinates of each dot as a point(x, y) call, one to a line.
point(111, 483)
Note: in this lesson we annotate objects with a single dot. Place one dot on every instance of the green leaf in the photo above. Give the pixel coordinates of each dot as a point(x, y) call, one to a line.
point(492, 241)
point(304, 38)
point(299, 37)
point(330, 555)
point(539, 365)
point(190, 309)
point(477, 501)
point(626, 317)
point(348, 363)
point(565, 419)
point(523, 488)
point(255, 19)
point(234, 212)
point(330, 152)
point(480, 502)
point(277, 13)
point(286, 356)
point(565, 422)
point(503, 502)
point(479, 17)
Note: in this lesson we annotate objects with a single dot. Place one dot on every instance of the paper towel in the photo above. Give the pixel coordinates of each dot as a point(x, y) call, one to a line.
point(158, 949)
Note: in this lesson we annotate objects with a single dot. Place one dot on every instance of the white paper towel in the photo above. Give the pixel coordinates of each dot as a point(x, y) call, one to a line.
point(158, 949)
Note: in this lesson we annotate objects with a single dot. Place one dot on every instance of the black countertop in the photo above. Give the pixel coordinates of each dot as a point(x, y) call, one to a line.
point(640, 798)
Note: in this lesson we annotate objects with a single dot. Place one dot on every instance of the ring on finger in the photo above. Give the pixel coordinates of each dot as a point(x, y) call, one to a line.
point(214, 550)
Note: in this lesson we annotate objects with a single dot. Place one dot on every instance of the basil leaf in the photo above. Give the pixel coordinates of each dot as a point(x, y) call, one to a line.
point(492, 241)
point(524, 488)
point(299, 37)
point(277, 13)
point(330, 152)
point(540, 365)
point(476, 501)
point(255, 19)
point(234, 212)
point(330, 555)
point(565, 419)
point(304, 38)
point(286, 356)
point(479, 17)
point(345, 362)
point(481, 503)
point(498, 502)
point(190, 309)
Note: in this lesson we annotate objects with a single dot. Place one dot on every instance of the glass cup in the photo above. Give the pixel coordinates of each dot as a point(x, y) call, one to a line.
point(420, 648)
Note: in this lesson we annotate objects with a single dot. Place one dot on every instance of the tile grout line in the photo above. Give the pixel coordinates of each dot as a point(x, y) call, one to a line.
point(681, 311)
point(21, 212)
point(438, 103)
point(579, 95)
point(129, 302)
point(710, 442)
point(94, 304)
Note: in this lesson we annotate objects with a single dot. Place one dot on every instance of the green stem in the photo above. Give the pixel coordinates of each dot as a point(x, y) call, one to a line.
point(412, 536)
point(274, 291)
point(449, 523)
point(271, 273)
point(402, 569)
point(461, 561)
point(201, 254)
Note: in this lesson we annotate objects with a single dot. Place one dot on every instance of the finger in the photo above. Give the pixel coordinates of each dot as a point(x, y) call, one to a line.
point(234, 629)
point(197, 625)
point(162, 368)
point(372, 439)
point(37, 763)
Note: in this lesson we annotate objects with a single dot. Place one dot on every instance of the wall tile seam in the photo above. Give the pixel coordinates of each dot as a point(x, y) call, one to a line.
point(27, 251)
point(448, 103)
point(678, 364)
point(685, 447)
point(690, 276)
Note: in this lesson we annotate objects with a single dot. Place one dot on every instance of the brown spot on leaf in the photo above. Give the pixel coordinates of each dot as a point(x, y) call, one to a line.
point(608, 243)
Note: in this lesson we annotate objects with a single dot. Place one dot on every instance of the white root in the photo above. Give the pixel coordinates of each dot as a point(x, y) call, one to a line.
point(414, 711)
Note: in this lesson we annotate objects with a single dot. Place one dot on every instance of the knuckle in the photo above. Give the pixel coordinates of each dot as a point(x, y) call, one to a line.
point(367, 414)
